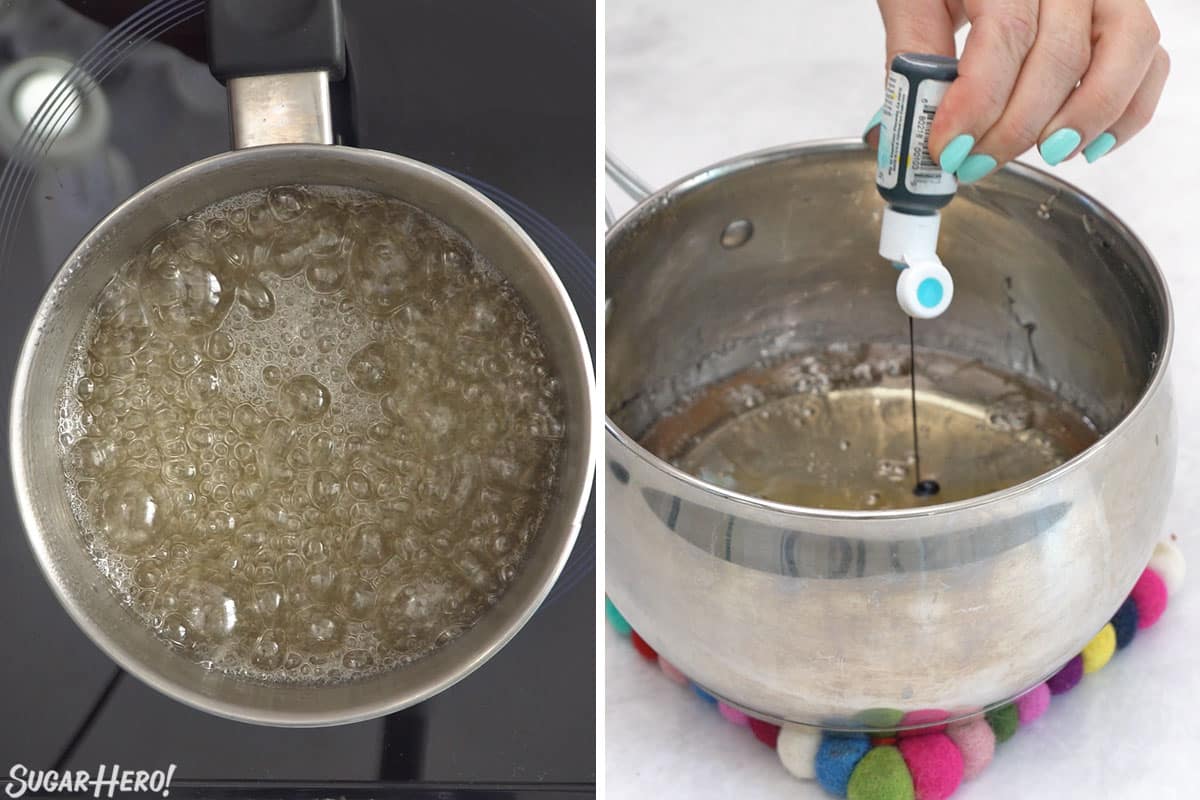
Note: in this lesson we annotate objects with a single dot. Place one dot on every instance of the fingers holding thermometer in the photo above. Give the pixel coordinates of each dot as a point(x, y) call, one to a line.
point(1000, 40)
point(1057, 58)
point(1125, 57)
point(1068, 77)
point(1137, 114)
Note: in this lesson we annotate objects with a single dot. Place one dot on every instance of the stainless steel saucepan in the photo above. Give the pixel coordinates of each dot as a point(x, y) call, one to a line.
point(825, 617)
point(282, 134)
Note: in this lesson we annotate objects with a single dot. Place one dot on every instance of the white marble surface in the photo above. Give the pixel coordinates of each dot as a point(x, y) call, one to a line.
point(690, 82)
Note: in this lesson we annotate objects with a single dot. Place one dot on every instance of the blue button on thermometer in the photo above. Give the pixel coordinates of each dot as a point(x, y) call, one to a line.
point(924, 289)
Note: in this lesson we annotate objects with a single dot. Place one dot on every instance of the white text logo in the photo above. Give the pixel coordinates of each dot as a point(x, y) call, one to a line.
point(106, 782)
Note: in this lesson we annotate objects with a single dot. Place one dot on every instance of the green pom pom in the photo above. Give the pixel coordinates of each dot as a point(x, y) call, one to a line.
point(615, 619)
point(881, 775)
point(880, 719)
point(1004, 721)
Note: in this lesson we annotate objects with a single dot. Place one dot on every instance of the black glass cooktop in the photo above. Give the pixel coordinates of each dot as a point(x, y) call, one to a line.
point(499, 92)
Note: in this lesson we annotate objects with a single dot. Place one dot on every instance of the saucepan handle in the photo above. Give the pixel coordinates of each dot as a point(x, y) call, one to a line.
point(633, 186)
point(276, 58)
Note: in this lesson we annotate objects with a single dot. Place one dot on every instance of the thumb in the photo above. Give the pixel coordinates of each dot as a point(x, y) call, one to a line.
point(917, 26)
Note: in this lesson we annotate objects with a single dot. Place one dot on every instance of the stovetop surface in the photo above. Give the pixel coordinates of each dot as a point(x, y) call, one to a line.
point(502, 92)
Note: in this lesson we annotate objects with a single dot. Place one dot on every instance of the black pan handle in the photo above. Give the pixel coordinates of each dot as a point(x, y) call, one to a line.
point(269, 37)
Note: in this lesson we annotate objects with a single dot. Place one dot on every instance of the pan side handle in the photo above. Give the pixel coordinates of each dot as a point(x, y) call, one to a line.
point(633, 186)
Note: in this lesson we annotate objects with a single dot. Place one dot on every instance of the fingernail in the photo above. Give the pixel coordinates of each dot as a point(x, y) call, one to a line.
point(875, 120)
point(1099, 147)
point(975, 167)
point(1059, 145)
point(953, 154)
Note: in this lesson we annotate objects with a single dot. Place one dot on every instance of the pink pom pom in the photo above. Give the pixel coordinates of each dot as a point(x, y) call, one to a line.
point(672, 672)
point(977, 743)
point(733, 715)
point(1150, 596)
point(927, 718)
point(1033, 703)
point(765, 732)
point(936, 765)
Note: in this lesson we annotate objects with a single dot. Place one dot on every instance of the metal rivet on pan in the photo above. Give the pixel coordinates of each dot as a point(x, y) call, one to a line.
point(737, 233)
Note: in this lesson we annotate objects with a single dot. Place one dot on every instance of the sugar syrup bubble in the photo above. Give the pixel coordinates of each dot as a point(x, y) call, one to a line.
point(307, 434)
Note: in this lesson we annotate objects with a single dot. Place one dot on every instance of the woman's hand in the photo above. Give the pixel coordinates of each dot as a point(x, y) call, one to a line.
point(1066, 75)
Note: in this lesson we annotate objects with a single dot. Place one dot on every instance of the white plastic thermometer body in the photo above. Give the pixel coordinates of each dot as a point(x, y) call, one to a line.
point(924, 289)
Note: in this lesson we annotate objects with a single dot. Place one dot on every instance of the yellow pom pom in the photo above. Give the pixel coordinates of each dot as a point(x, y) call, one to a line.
point(1100, 649)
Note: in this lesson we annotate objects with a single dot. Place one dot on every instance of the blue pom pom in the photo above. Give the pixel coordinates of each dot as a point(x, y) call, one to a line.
point(615, 619)
point(703, 695)
point(837, 757)
point(1125, 622)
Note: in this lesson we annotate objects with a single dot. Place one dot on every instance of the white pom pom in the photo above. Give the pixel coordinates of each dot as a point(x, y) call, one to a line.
point(1169, 563)
point(797, 749)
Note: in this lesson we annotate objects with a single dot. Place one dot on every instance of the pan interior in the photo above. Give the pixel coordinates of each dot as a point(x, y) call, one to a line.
point(1054, 299)
point(309, 434)
point(60, 321)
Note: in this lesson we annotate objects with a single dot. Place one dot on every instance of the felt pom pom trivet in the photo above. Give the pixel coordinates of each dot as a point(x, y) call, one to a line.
point(929, 763)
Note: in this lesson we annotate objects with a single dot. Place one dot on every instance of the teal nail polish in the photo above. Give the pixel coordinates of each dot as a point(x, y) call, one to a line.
point(953, 154)
point(875, 120)
point(975, 167)
point(1099, 147)
point(1059, 145)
